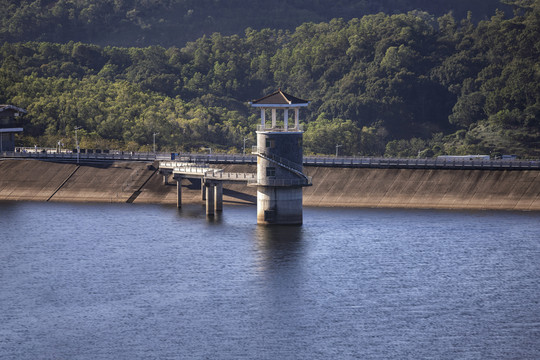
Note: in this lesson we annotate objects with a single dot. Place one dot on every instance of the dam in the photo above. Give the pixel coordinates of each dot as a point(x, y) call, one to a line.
point(397, 186)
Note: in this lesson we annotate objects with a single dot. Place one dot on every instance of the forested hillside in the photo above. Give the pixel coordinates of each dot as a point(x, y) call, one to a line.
point(174, 22)
point(399, 85)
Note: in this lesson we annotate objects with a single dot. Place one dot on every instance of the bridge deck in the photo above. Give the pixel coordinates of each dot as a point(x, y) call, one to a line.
point(186, 169)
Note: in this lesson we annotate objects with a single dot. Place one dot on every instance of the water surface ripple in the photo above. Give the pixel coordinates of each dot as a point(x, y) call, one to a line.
point(126, 281)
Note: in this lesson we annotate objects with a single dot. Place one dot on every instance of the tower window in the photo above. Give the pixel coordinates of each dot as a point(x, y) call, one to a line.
point(270, 171)
point(269, 143)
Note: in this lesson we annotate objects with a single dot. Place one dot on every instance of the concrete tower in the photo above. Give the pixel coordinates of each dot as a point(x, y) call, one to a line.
point(279, 161)
point(10, 124)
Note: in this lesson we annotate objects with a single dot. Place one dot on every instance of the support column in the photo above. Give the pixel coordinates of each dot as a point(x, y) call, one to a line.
point(165, 179)
point(273, 118)
point(297, 119)
point(263, 117)
point(286, 119)
point(219, 196)
point(203, 190)
point(179, 192)
point(209, 199)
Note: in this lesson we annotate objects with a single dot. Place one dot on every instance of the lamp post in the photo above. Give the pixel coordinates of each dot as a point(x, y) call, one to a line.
point(156, 133)
point(77, 141)
point(337, 148)
point(244, 151)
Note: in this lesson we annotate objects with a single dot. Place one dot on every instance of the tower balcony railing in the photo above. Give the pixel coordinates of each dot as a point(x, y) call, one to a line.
point(281, 182)
point(280, 128)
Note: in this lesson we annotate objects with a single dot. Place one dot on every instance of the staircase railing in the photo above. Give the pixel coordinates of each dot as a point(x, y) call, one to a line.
point(284, 163)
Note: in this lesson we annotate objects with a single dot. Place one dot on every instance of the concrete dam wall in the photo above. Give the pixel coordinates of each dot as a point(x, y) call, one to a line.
point(138, 182)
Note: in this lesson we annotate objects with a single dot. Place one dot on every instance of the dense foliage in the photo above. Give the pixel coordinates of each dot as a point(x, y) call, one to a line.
point(174, 22)
point(399, 85)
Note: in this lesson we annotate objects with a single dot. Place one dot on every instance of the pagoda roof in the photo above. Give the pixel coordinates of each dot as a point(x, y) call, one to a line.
point(12, 108)
point(279, 98)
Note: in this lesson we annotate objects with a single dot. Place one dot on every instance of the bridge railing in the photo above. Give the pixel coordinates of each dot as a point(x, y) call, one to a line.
point(177, 164)
point(421, 163)
point(194, 170)
point(308, 160)
point(231, 176)
point(130, 156)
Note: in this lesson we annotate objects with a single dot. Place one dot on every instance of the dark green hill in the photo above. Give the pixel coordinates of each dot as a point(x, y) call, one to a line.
point(399, 85)
point(174, 22)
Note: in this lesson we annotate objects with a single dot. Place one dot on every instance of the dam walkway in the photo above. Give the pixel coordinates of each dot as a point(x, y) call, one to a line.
point(325, 161)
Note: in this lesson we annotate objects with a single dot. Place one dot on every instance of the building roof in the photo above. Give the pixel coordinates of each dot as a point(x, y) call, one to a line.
point(280, 98)
point(12, 108)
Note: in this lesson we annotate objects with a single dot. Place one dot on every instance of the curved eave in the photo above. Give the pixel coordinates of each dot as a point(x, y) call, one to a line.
point(269, 106)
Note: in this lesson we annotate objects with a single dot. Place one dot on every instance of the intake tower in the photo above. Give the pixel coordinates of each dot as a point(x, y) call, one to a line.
point(279, 161)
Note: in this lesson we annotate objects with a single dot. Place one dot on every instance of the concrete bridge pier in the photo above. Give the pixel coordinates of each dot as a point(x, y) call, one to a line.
point(218, 192)
point(165, 179)
point(214, 197)
point(178, 192)
point(203, 190)
point(209, 200)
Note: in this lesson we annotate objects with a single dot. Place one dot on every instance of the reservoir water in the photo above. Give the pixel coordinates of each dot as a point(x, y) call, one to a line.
point(127, 281)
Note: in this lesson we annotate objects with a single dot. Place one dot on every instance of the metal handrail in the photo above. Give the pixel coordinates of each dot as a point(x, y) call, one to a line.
point(308, 160)
point(280, 182)
point(279, 128)
point(279, 159)
point(231, 176)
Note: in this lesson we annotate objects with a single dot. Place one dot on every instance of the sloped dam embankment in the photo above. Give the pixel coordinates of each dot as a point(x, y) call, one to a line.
point(138, 182)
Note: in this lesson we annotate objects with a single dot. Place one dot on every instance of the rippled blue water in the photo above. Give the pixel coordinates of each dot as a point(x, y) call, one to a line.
point(106, 281)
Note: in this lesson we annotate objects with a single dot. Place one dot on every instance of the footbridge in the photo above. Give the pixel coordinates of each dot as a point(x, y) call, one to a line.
point(212, 180)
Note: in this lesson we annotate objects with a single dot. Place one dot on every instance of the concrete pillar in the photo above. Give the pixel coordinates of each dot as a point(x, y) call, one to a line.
point(209, 199)
point(279, 205)
point(219, 196)
point(165, 179)
point(274, 118)
point(179, 193)
point(203, 190)
point(263, 117)
point(286, 119)
point(297, 119)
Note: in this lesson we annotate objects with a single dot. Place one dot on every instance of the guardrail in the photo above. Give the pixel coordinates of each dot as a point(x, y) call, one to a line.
point(128, 156)
point(281, 182)
point(422, 163)
point(280, 128)
point(231, 176)
point(181, 164)
point(362, 162)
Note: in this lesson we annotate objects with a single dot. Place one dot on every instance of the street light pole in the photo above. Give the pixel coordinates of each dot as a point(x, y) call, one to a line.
point(156, 133)
point(244, 151)
point(337, 148)
point(77, 142)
